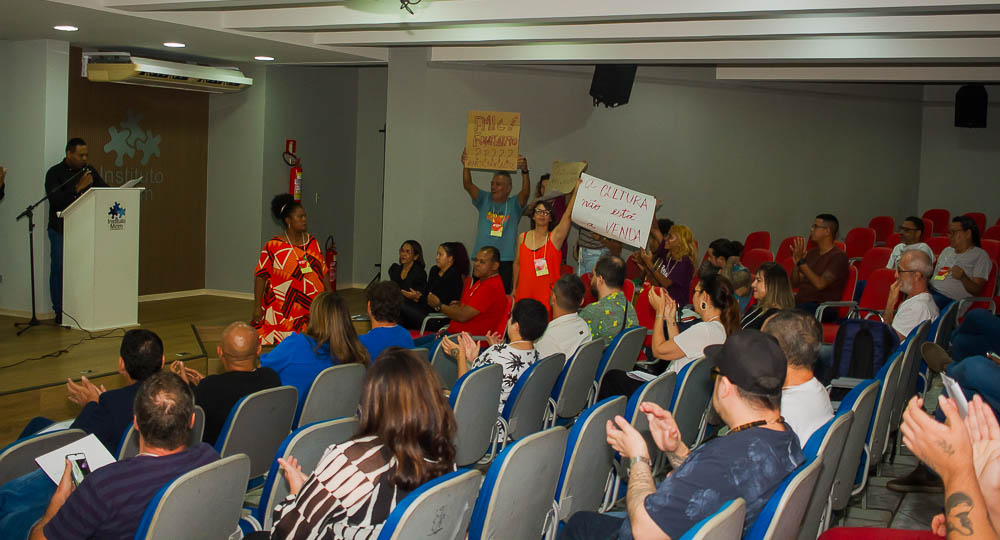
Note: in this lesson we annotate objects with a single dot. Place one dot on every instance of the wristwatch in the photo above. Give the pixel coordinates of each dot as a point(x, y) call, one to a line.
point(800, 262)
point(633, 460)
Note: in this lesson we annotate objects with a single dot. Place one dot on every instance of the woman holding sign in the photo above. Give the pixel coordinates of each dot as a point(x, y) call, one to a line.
point(537, 261)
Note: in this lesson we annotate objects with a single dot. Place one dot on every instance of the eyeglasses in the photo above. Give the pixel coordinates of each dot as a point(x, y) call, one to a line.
point(542, 212)
point(715, 373)
point(901, 271)
point(814, 226)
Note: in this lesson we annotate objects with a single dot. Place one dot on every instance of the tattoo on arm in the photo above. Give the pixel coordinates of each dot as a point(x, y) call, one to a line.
point(640, 485)
point(675, 459)
point(956, 510)
point(945, 446)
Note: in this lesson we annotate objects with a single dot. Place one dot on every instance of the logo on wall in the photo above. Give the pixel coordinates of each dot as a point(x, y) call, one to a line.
point(116, 217)
point(130, 138)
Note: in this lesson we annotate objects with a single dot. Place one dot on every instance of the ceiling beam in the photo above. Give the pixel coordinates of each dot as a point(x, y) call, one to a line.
point(200, 5)
point(918, 74)
point(986, 24)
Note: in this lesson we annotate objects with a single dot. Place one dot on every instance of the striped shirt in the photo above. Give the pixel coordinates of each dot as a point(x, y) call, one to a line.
point(110, 502)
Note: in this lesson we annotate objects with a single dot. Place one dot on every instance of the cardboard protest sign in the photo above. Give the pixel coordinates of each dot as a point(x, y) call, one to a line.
point(491, 140)
point(564, 174)
point(613, 211)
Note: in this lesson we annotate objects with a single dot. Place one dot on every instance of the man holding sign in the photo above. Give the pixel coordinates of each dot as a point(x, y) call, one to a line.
point(498, 213)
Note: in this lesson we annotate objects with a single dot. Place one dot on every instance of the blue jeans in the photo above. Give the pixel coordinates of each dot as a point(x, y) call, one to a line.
point(978, 334)
point(588, 258)
point(593, 526)
point(978, 375)
point(23, 501)
point(56, 269)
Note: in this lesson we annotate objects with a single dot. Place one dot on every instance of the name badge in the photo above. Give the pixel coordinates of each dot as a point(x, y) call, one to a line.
point(496, 229)
point(305, 268)
point(541, 267)
point(943, 273)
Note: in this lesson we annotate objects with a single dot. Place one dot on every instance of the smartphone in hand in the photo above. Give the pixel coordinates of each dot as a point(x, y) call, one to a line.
point(80, 467)
point(955, 393)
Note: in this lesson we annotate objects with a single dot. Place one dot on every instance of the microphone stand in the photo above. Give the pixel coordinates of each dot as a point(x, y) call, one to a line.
point(29, 213)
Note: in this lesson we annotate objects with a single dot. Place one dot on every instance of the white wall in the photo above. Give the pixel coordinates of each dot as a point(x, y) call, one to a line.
point(370, 157)
point(33, 105)
point(726, 158)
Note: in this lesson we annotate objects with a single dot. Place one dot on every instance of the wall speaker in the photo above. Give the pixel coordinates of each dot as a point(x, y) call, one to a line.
point(612, 84)
point(971, 102)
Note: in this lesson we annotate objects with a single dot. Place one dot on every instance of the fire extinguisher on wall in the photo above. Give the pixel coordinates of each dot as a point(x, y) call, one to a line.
point(331, 263)
point(295, 172)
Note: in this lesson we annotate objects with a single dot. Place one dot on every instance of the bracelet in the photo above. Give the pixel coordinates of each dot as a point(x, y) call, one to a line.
point(639, 459)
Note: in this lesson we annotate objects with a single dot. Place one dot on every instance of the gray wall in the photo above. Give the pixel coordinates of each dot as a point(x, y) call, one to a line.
point(727, 159)
point(33, 106)
point(370, 157)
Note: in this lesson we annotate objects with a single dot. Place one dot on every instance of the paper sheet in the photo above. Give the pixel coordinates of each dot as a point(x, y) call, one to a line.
point(54, 463)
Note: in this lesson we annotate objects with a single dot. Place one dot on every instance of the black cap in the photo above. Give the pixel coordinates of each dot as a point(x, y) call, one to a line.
point(752, 360)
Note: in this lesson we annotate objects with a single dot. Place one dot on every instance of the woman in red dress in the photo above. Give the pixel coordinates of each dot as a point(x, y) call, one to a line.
point(290, 273)
point(538, 259)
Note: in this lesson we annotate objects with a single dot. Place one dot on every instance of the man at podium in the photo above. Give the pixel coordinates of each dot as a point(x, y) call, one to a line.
point(64, 183)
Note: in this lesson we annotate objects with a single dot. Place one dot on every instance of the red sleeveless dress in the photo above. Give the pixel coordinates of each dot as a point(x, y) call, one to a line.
point(529, 283)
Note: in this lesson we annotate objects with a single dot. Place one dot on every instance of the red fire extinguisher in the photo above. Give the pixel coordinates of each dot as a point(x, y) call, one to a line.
point(295, 172)
point(331, 263)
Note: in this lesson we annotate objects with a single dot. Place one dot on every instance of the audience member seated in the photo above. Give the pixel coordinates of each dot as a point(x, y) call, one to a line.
point(539, 258)
point(672, 266)
point(239, 353)
point(527, 323)
point(409, 273)
point(962, 268)
point(483, 306)
point(821, 273)
point(805, 403)
point(750, 462)
point(977, 334)
point(566, 331)
point(772, 293)
point(911, 236)
point(110, 502)
point(329, 340)
point(635, 269)
point(445, 280)
point(974, 363)
point(724, 258)
point(384, 302)
point(912, 274)
point(405, 439)
point(612, 312)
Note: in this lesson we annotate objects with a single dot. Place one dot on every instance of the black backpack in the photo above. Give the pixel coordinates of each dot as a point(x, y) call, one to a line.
point(861, 347)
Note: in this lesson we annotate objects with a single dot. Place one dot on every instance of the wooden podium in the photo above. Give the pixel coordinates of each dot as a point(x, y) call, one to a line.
point(101, 258)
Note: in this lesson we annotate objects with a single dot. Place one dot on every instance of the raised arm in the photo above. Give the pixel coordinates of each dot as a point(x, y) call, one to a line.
point(562, 229)
point(522, 197)
point(470, 188)
point(517, 260)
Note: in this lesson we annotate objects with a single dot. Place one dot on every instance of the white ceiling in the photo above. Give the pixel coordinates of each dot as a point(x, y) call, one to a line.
point(848, 40)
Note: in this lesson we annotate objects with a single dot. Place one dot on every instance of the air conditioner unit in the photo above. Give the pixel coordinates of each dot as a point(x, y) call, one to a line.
point(127, 69)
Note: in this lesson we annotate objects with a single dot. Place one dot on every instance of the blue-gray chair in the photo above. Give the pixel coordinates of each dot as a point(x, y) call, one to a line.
point(437, 510)
point(475, 399)
point(334, 393)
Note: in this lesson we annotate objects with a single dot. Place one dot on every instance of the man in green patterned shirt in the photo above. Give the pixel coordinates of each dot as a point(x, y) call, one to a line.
point(612, 313)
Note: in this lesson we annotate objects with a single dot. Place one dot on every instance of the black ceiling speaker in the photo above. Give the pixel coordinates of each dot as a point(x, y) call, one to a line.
point(971, 102)
point(612, 84)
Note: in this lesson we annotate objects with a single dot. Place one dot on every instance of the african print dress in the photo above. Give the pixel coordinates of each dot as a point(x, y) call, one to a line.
point(293, 277)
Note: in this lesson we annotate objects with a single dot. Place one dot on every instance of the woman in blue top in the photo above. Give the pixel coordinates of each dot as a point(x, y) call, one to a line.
point(329, 340)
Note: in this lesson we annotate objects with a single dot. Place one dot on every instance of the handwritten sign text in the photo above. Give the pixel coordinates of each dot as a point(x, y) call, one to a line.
point(491, 140)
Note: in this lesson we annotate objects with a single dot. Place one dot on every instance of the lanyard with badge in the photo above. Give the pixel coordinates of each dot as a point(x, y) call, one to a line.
point(496, 224)
point(303, 263)
point(541, 265)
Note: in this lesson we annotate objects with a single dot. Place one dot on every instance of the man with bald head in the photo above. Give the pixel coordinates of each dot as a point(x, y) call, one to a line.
point(239, 352)
point(913, 271)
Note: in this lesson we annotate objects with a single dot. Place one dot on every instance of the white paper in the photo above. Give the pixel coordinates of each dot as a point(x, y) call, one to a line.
point(56, 426)
point(641, 375)
point(613, 211)
point(54, 463)
point(131, 183)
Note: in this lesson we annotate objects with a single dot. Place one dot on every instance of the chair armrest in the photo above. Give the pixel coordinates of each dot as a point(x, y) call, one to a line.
point(822, 307)
point(431, 317)
point(853, 260)
point(844, 382)
point(972, 300)
point(871, 312)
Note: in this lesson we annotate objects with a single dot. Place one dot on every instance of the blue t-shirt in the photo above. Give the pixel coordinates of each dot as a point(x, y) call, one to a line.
point(379, 339)
point(298, 364)
point(493, 214)
point(749, 464)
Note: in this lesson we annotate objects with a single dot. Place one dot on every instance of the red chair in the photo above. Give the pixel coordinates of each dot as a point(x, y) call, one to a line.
point(941, 218)
point(841, 245)
point(858, 242)
point(894, 238)
point(587, 297)
point(986, 298)
point(929, 230)
point(883, 227)
point(565, 270)
point(845, 306)
point(992, 233)
point(629, 290)
point(937, 244)
point(877, 257)
point(757, 240)
point(753, 258)
point(785, 248)
point(810, 244)
point(979, 218)
point(788, 264)
point(992, 248)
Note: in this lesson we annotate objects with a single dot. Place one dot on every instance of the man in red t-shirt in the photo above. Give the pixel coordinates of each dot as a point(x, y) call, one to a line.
point(483, 307)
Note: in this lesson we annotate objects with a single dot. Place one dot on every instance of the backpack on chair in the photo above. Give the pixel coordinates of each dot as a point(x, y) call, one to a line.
point(861, 347)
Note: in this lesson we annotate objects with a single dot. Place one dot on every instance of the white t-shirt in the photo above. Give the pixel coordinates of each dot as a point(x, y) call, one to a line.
point(897, 252)
point(806, 407)
point(913, 311)
point(563, 335)
point(694, 340)
point(974, 261)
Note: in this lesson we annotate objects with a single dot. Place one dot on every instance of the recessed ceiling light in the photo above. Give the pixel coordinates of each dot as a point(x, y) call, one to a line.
point(66, 28)
point(173, 44)
point(264, 58)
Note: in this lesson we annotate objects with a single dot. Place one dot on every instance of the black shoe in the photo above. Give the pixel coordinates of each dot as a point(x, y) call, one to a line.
point(937, 358)
point(921, 480)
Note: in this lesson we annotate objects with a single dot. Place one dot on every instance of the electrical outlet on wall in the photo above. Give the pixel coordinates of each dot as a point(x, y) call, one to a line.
point(317, 198)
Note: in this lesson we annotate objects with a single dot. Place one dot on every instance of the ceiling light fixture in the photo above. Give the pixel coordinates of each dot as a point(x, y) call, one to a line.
point(174, 44)
point(65, 28)
point(407, 3)
point(264, 58)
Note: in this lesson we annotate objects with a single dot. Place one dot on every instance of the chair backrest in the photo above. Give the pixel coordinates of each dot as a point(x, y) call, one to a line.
point(876, 292)
point(129, 446)
point(842, 246)
point(827, 444)
point(896, 238)
point(308, 444)
point(622, 352)
point(18, 457)
point(644, 311)
point(788, 264)
point(785, 248)
point(878, 432)
point(203, 503)
point(519, 489)
point(992, 233)
point(334, 393)
point(992, 248)
point(475, 399)
point(940, 218)
point(725, 524)
point(659, 391)
point(757, 240)
point(588, 459)
point(571, 389)
point(937, 244)
point(883, 227)
point(979, 218)
point(858, 241)
point(861, 401)
point(629, 289)
point(875, 258)
point(907, 381)
point(946, 322)
point(528, 400)
point(692, 395)
point(782, 515)
point(753, 258)
point(588, 297)
point(422, 352)
point(257, 425)
point(441, 505)
point(444, 366)
point(850, 286)
point(501, 328)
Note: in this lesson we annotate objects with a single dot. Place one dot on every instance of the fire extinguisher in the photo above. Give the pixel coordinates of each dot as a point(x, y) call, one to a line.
point(295, 172)
point(331, 263)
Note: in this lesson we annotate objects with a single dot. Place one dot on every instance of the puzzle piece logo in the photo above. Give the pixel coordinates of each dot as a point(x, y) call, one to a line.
point(117, 211)
point(131, 137)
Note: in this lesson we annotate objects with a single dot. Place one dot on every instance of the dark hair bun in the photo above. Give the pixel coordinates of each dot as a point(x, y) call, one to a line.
point(282, 205)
